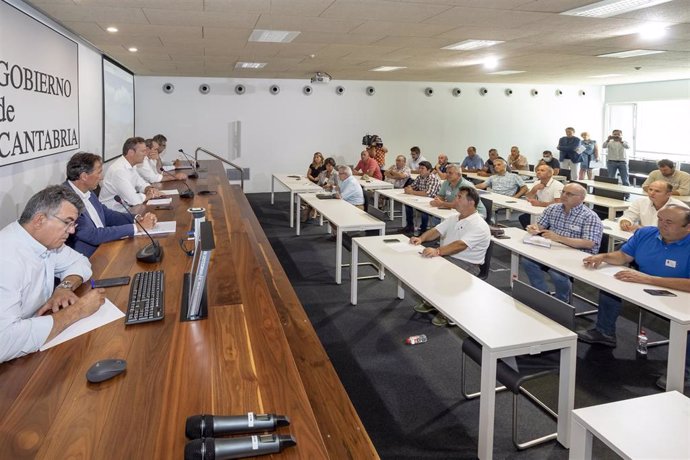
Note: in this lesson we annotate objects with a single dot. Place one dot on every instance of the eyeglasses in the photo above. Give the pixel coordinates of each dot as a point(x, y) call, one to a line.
point(570, 194)
point(69, 224)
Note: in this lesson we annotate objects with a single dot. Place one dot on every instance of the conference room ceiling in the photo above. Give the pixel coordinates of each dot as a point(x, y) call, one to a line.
point(348, 38)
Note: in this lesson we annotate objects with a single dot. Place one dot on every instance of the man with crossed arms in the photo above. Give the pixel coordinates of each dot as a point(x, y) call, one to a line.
point(662, 254)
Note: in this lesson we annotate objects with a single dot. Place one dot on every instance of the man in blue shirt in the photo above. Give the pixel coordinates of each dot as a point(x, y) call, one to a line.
point(503, 182)
point(569, 157)
point(662, 254)
point(472, 162)
point(349, 188)
point(569, 222)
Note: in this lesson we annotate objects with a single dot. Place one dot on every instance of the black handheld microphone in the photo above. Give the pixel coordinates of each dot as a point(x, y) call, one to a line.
point(189, 193)
point(192, 163)
point(150, 254)
point(212, 426)
point(246, 446)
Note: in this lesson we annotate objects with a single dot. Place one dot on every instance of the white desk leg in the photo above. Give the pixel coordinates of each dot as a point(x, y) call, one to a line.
point(581, 448)
point(338, 255)
point(487, 405)
point(401, 290)
point(533, 219)
point(612, 213)
point(273, 184)
point(391, 208)
point(298, 223)
point(353, 272)
point(675, 369)
point(404, 216)
point(292, 208)
point(514, 267)
point(376, 199)
point(382, 272)
point(566, 392)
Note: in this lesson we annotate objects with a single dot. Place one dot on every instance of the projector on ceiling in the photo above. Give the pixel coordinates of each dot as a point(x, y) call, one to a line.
point(321, 77)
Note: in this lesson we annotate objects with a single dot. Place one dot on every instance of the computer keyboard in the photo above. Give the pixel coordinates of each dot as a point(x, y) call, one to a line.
point(146, 301)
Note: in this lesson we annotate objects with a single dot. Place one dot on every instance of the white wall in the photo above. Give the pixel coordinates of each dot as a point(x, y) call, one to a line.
point(279, 133)
point(651, 91)
point(18, 182)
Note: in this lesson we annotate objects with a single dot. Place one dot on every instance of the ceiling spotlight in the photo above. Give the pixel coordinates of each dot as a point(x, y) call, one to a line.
point(111, 29)
point(652, 31)
point(490, 63)
point(133, 49)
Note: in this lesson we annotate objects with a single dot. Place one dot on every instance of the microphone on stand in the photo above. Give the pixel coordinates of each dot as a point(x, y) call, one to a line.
point(245, 446)
point(212, 426)
point(192, 163)
point(150, 254)
point(189, 193)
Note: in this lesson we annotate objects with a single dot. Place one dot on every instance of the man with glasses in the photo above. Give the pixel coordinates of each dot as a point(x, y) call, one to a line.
point(97, 224)
point(32, 310)
point(349, 188)
point(571, 223)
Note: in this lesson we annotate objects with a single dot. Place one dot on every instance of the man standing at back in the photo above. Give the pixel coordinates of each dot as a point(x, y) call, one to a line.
point(616, 157)
point(571, 223)
point(122, 179)
point(568, 146)
point(667, 172)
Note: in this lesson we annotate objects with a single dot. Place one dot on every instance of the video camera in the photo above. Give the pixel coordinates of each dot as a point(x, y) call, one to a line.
point(372, 139)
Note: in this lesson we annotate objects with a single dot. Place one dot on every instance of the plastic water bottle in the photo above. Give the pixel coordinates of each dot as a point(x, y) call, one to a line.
point(415, 339)
point(642, 343)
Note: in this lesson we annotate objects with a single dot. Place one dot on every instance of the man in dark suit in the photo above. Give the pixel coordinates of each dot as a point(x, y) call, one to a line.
point(97, 224)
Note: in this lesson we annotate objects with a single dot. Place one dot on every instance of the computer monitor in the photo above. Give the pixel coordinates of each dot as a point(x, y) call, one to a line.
point(194, 305)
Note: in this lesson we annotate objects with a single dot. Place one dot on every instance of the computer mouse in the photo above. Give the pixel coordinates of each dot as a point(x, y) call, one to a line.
point(105, 369)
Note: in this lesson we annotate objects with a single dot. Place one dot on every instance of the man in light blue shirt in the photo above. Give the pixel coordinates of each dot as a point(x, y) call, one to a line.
point(349, 188)
point(472, 162)
point(32, 310)
point(503, 182)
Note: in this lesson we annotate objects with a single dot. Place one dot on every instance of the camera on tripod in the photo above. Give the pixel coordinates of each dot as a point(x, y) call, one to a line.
point(372, 139)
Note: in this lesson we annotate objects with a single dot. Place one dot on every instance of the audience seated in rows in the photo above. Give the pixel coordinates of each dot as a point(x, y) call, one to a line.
point(503, 182)
point(667, 172)
point(546, 191)
point(472, 162)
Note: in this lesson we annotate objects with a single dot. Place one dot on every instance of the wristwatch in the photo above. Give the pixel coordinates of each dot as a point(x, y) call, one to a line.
point(66, 284)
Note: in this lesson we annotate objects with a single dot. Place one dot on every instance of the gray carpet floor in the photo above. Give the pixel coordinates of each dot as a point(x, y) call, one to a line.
point(408, 397)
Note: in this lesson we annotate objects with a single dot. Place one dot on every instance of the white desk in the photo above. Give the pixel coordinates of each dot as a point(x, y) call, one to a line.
point(612, 204)
point(612, 228)
point(515, 204)
point(626, 189)
point(345, 218)
point(502, 325)
point(295, 184)
point(420, 203)
point(533, 174)
point(569, 261)
point(650, 427)
point(374, 184)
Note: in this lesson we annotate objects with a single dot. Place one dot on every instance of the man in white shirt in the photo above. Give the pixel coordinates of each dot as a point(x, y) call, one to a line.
point(643, 211)
point(464, 239)
point(415, 158)
point(399, 173)
point(150, 168)
point(32, 310)
point(349, 188)
point(122, 179)
point(546, 191)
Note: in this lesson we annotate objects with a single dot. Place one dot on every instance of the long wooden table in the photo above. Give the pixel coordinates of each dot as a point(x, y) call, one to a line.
point(257, 351)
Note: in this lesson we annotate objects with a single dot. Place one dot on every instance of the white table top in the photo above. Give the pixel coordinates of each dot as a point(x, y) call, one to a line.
point(490, 316)
point(341, 213)
point(569, 261)
point(417, 202)
point(296, 182)
point(374, 184)
point(649, 427)
point(517, 204)
point(626, 189)
point(613, 228)
point(528, 173)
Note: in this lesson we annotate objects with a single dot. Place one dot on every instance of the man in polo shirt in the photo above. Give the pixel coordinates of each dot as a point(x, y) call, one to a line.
point(445, 198)
point(426, 184)
point(503, 182)
point(472, 162)
point(368, 165)
point(643, 212)
point(545, 192)
point(679, 180)
point(464, 239)
point(571, 223)
point(662, 254)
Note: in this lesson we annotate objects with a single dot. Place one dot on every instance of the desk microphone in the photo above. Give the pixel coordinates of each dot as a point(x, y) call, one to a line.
point(189, 193)
point(246, 446)
point(192, 163)
point(212, 426)
point(150, 254)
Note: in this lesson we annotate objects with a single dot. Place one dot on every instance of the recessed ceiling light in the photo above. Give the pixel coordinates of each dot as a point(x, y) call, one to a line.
point(133, 49)
point(471, 45)
point(652, 31)
point(250, 65)
point(506, 72)
point(111, 29)
point(631, 53)
point(272, 36)
point(490, 63)
point(386, 68)
point(608, 8)
point(607, 75)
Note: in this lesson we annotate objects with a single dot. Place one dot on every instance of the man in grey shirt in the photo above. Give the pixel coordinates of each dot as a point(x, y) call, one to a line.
point(616, 158)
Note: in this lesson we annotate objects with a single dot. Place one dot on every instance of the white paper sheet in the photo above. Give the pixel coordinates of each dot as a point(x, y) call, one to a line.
point(104, 315)
point(168, 167)
point(159, 202)
point(405, 246)
point(173, 191)
point(168, 226)
point(610, 269)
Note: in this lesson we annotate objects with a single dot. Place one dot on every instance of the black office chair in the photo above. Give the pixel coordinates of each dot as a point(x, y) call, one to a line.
point(607, 179)
point(485, 268)
point(602, 211)
point(566, 173)
point(488, 204)
point(531, 167)
point(529, 367)
point(685, 167)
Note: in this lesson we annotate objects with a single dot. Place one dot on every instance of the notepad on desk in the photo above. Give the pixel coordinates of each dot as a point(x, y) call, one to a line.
point(161, 227)
point(537, 240)
point(170, 192)
point(159, 202)
point(107, 313)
